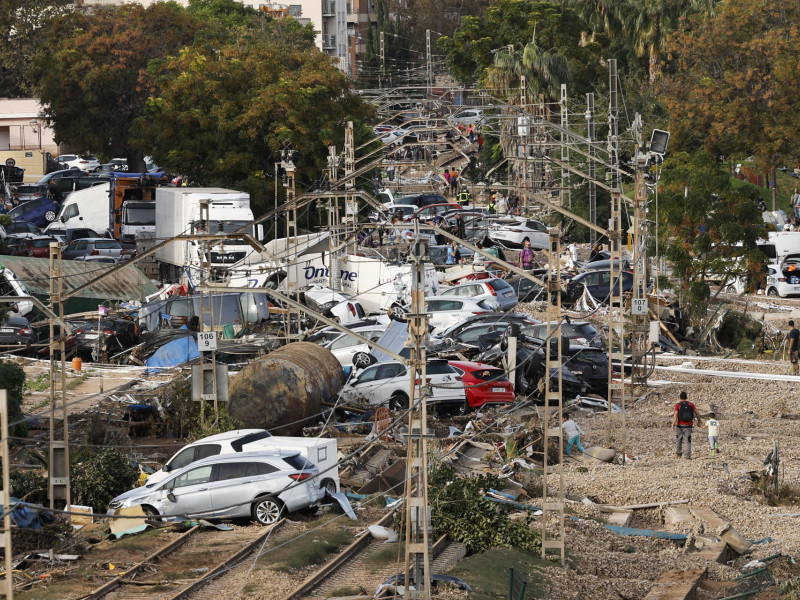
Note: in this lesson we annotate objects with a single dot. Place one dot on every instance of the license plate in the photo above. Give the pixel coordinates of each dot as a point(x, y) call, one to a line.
point(90, 336)
point(6, 330)
point(499, 390)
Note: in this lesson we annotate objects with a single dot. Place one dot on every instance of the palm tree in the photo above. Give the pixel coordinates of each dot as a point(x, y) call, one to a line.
point(544, 71)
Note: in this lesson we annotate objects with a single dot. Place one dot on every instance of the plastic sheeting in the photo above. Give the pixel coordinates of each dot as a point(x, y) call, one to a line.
point(174, 353)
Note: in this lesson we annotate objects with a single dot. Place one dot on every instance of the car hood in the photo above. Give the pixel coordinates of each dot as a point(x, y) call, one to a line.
point(139, 492)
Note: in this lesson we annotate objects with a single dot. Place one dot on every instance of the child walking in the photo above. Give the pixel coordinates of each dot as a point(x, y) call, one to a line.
point(572, 431)
point(713, 433)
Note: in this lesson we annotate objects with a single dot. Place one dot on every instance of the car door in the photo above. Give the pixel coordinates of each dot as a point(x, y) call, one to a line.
point(74, 249)
point(540, 237)
point(363, 384)
point(233, 486)
point(191, 492)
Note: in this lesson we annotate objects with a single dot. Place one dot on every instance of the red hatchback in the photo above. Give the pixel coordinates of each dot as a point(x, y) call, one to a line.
point(38, 247)
point(484, 383)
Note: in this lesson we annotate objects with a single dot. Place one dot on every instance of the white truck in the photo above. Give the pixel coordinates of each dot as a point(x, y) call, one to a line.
point(87, 208)
point(178, 213)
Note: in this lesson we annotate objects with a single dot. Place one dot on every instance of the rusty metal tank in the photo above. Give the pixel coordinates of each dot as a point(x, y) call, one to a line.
point(283, 392)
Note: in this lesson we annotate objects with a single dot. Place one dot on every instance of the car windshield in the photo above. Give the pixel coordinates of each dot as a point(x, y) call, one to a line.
point(22, 227)
point(43, 243)
point(439, 368)
point(140, 216)
point(109, 245)
point(28, 189)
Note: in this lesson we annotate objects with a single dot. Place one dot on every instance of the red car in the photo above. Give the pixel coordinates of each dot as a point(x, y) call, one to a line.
point(484, 383)
point(38, 247)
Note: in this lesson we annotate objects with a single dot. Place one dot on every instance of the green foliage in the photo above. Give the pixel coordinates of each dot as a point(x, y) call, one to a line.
point(99, 478)
point(212, 424)
point(226, 109)
point(29, 486)
point(94, 82)
point(459, 510)
point(733, 80)
point(12, 379)
point(20, 24)
point(705, 226)
point(519, 23)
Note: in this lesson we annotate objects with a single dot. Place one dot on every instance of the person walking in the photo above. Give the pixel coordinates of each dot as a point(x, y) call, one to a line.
point(794, 346)
point(452, 249)
point(572, 432)
point(713, 433)
point(795, 198)
point(526, 256)
point(683, 419)
point(453, 181)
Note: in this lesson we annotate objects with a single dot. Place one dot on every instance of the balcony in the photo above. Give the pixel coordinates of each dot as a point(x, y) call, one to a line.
point(328, 42)
point(329, 8)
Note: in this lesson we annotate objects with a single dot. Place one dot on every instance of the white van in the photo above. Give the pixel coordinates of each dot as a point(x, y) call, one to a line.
point(86, 208)
point(779, 244)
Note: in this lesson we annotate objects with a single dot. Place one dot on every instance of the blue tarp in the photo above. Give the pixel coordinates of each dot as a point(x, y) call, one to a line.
point(26, 515)
point(177, 352)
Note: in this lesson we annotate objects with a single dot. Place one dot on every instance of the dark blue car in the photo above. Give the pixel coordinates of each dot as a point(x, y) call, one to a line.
point(39, 211)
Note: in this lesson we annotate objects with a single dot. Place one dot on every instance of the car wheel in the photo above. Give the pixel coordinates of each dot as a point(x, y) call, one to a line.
point(398, 401)
point(772, 292)
point(329, 485)
point(361, 360)
point(463, 408)
point(50, 216)
point(267, 511)
point(397, 313)
point(149, 510)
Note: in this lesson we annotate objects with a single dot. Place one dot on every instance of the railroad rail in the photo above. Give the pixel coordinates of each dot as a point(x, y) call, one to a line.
point(157, 559)
point(346, 556)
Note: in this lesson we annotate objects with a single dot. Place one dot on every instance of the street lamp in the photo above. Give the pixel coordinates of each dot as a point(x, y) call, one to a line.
point(37, 128)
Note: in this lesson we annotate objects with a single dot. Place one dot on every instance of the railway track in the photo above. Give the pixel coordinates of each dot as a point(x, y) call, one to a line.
point(171, 574)
point(352, 568)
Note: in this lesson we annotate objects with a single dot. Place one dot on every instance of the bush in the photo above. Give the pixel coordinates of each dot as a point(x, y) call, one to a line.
point(12, 379)
point(29, 486)
point(459, 510)
point(101, 477)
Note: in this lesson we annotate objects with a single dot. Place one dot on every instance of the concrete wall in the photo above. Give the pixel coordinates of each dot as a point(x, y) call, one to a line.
point(16, 130)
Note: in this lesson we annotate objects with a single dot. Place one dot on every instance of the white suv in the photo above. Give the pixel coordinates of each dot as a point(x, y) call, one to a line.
point(387, 383)
point(84, 163)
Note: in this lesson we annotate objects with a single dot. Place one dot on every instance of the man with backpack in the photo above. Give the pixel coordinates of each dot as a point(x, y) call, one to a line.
point(682, 420)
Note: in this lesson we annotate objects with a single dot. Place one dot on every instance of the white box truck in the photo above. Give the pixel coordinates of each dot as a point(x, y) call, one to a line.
point(178, 213)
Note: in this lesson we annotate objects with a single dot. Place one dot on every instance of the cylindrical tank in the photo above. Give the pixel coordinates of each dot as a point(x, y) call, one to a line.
point(283, 392)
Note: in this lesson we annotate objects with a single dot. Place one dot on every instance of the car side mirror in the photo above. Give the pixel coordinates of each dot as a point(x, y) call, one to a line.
point(171, 497)
point(63, 219)
point(166, 468)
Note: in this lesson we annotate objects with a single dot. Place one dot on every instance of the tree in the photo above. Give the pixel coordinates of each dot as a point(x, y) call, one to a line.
point(12, 379)
point(396, 48)
point(227, 109)
point(638, 26)
point(94, 83)
point(21, 24)
point(705, 226)
point(549, 30)
point(733, 84)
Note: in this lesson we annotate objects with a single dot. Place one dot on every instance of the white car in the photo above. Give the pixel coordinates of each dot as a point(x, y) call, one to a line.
point(398, 134)
point(333, 304)
point(782, 283)
point(387, 384)
point(446, 312)
point(320, 452)
point(260, 485)
point(469, 116)
point(84, 163)
point(493, 294)
point(515, 231)
point(404, 211)
point(345, 346)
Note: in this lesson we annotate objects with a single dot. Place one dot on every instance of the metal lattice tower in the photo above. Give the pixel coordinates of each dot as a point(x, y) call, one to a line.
point(566, 191)
point(640, 329)
point(616, 312)
point(58, 467)
point(553, 537)
point(418, 533)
